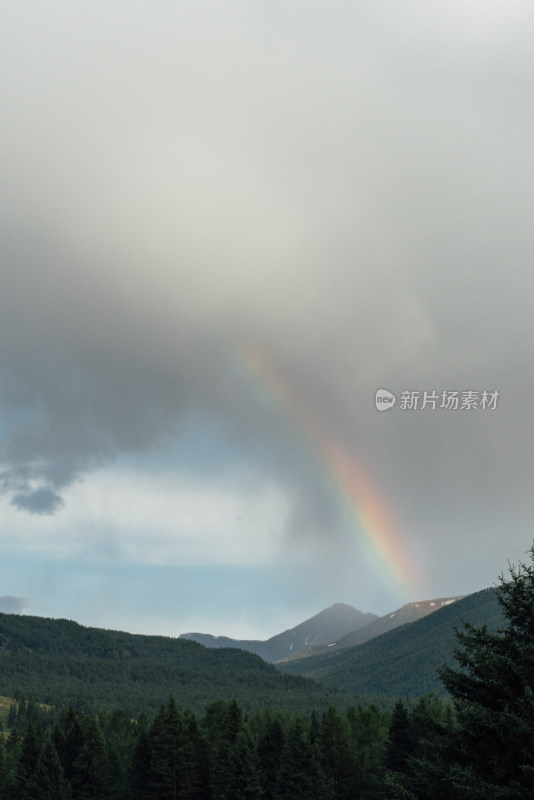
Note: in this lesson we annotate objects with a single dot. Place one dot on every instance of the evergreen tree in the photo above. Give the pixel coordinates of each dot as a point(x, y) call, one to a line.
point(3, 763)
point(426, 769)
point(48, 781)
point(195, 762)
point(242, 780)
point(21, 710)
point(27, 761)
point(314, 729)
point(120, 733)
point(140, 778)
point(10, 790)
point(117, 770)
point(12, 750)
point(222, 722)
point(167, 753)
point(487, 751)
point(91, 772)
point(13, 741)
point(493, 690)
point(337, 759)
point(301, 776)
point(369, 740)
point(12, 716)
point(235, 720)
point(399, 746)
point(68, 739)
point(32, 710)
point(269, 749)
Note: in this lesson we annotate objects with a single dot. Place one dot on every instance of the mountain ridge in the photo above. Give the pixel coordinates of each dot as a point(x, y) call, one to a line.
point(402, 662)
point(335, 621)
point(409, 612)
point(337, 627)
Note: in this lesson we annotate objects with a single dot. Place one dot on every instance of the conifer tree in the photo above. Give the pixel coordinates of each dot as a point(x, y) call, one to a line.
point(13, 746)
point(369, 742)
point(488, 750)
point(222, 722)
point(140, 777)
point(195, 762)
point(22, 709)
point(301, 776)
point(243, 780)
point(430, 733)
point(269, 749)
point(337, 758)
point(12, 716)
point(13, 740)
point(494, 696)
point(3, 764)
point(121, 737)
point(399, 746)
point(167, 753)
point(48, 781)
point(27, 761)
point(91, 773)
point(68, 740)
point(234, 721)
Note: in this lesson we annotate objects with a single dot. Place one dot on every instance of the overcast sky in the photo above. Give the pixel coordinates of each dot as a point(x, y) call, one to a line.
point(224, 226)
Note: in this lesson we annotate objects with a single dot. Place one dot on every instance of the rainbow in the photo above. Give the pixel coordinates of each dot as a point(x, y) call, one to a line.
point(353, 489)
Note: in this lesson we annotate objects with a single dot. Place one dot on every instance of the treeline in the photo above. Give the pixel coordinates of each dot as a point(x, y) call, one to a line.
point(63, 663)
point(220, 755)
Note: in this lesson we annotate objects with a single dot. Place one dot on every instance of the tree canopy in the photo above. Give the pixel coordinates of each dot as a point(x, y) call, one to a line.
point(488, 752)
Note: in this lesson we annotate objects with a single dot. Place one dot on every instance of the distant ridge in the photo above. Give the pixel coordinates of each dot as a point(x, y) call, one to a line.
point(407, 613)
point(402, 662)
point(329, 625)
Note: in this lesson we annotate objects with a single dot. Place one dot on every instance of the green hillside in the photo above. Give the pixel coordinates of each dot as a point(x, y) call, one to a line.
point(60, 663)
point(402, 662)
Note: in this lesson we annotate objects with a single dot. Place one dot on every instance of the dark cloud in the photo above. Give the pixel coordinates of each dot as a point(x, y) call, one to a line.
point(350, 201)
point(40, 501)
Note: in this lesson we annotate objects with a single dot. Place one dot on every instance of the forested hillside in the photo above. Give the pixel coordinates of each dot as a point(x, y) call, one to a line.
point(402, 662)
point(61, 663)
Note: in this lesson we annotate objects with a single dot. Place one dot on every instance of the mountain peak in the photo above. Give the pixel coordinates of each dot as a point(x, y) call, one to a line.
point(410, 612)
point(327, 626)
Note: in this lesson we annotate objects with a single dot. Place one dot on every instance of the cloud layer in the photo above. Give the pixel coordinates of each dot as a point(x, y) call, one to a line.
point(344, 190)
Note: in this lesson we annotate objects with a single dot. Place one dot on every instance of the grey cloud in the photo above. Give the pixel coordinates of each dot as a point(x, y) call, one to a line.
point(12, 605)
point(40, 501)
point(349, 195)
